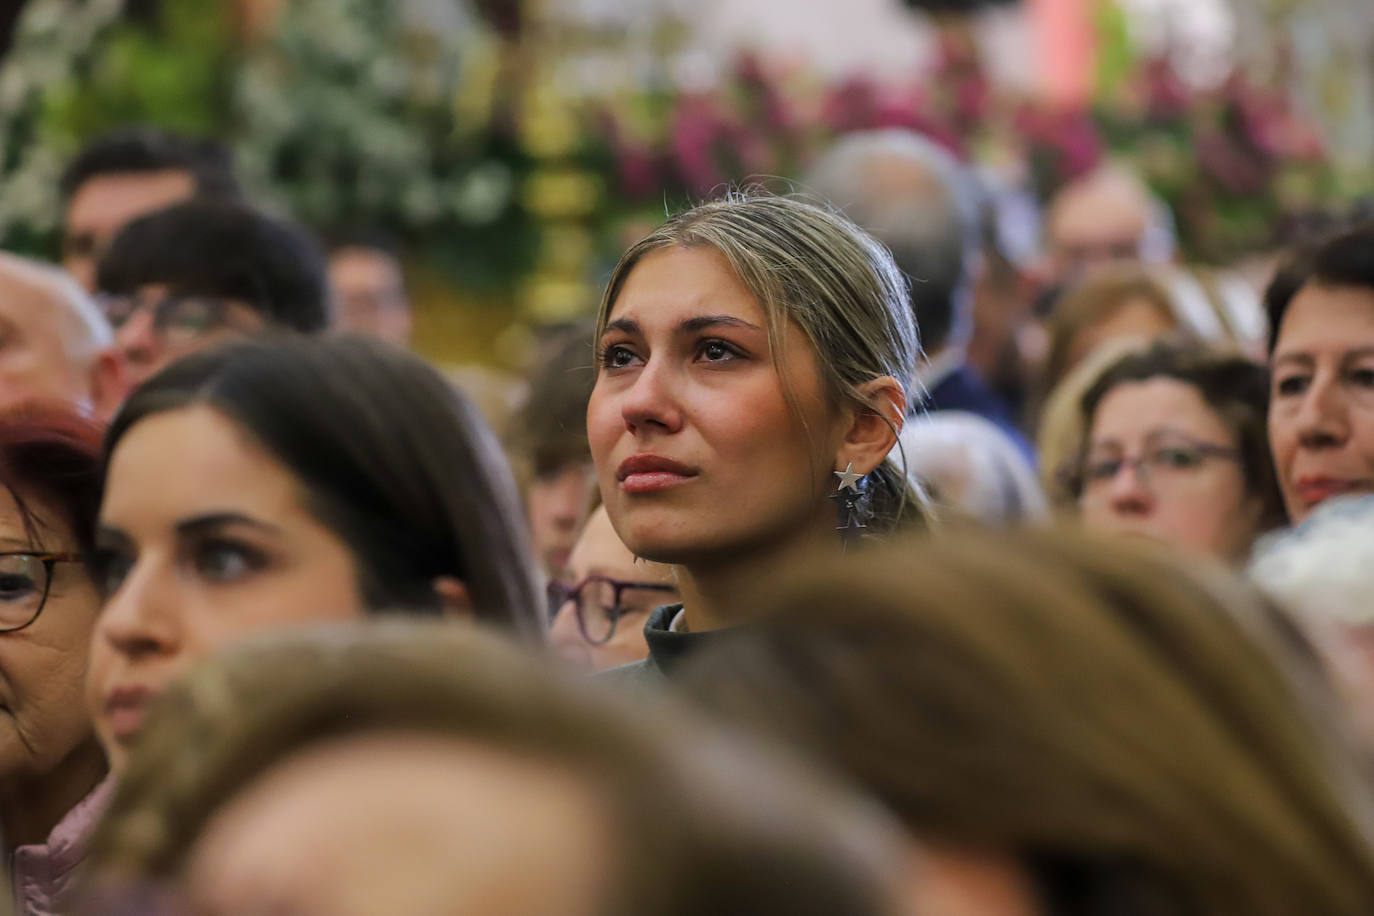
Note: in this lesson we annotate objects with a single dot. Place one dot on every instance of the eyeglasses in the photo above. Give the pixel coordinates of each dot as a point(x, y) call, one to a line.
point(177, 316)
point(599, 603)
point(25, 579)
point(1164, 464)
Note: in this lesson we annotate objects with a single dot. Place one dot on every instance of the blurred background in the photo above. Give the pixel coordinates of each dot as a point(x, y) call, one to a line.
point(511, 148)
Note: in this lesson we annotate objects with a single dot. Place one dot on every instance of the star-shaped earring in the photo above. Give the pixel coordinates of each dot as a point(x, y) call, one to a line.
point(848, 479)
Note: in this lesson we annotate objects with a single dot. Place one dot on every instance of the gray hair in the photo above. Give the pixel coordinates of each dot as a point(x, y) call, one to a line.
point(970, 466)
point(921, 203)
point(1323, 570)
point(85, 330)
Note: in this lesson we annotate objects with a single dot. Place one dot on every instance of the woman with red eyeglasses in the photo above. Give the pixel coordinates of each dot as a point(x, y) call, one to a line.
point(602, 601)
point(51, 766)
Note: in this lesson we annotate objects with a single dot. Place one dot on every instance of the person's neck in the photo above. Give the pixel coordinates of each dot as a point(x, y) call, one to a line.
point(712, 591)
point(31, 807)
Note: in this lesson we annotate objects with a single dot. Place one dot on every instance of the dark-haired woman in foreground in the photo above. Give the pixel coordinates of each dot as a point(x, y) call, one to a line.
point(275, 483)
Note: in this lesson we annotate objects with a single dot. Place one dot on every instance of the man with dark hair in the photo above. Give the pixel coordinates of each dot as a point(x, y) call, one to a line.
point(125, 174)
point(180, 279)
point(917, 200)
point(369, 286)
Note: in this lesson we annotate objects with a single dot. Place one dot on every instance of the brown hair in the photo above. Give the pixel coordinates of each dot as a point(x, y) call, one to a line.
point(1061, 432)
point(1145, 737)
point(1098, 297)
point(1235, 387)
point(700, 824)
point(549, 431)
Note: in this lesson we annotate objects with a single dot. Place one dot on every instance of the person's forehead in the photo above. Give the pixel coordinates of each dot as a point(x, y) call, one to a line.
point(28, 300)
point(114, 199)
point(1154, 405)
point(675, 283)
point(1330, 313)
point(1098, 210)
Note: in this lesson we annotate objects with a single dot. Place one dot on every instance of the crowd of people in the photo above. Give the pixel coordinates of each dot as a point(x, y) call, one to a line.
point(845, 561)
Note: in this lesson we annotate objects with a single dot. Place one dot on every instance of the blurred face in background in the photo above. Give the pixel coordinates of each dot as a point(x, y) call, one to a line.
point(1160, 463)
point(698, 453)
point(104, 204)
point(557, 503)
point(48, 605)
point(154, 327)
point(1135, 319)
point(204, 539)
point(369, 294)
point(405, 823)
point(615, 593)
point(1099, 219)
point(1321, 410)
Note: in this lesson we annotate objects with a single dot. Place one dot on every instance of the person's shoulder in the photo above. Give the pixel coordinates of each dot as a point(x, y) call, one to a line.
point(633, 675)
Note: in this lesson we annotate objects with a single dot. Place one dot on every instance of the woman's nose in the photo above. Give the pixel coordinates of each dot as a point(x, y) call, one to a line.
point(652, 402)
point(140, 618)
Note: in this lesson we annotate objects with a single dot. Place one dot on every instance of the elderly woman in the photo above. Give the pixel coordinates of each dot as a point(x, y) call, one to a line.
point(1321, 415)
point(51, 766)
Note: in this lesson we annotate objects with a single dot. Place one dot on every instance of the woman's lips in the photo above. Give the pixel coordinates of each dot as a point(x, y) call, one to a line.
point(1314, 490)
point(125, 709)
point(652, 473)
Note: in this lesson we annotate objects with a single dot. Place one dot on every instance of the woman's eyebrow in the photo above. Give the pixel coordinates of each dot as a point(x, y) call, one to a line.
point(199, 524)
point(622, 325)
point(702, 322)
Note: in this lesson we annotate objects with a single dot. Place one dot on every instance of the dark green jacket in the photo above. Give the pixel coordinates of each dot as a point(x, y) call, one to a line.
point(666, 650)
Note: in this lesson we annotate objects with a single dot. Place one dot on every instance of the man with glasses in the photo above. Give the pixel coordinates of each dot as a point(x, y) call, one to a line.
point(200, 272)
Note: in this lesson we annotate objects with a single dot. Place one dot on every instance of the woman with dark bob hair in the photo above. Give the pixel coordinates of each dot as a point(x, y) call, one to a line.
point(290, 481)
point(1072, 728)
point(1175, 450)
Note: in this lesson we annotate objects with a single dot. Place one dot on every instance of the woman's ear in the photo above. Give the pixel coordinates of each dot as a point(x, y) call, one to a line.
point(872, 430)
point(454, 600)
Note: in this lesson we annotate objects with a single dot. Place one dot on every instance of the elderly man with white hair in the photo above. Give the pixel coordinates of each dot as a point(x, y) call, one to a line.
point(55, 345)
point(923, 205)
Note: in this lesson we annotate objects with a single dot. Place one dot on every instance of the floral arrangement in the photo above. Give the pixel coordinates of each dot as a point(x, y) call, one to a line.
point(342, 115)
point(1236, 164)
point(345, 114)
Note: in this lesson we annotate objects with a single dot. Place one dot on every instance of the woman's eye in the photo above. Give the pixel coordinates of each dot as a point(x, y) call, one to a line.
point(225, 562)
point(617, 357)
point(109, 570)
point(715, 351)
point(1290, 385)
point(1362, 376)
point(16, 586)
point(1176, 457)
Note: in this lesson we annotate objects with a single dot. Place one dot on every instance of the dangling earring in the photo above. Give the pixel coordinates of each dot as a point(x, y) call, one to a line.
point(849, 517)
